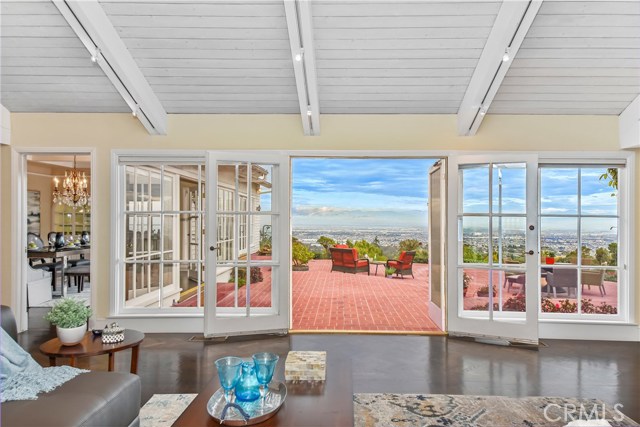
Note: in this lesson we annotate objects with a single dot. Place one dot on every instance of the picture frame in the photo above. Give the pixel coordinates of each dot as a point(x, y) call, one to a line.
point(33, 212)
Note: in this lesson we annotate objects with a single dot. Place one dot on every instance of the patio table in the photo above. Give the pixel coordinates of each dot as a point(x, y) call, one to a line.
point(377, 263)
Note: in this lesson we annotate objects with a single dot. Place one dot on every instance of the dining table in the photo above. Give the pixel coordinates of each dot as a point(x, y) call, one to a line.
point(62, 253)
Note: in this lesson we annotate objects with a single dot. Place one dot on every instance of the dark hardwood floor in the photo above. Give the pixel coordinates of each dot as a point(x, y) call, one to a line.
point(610, 371)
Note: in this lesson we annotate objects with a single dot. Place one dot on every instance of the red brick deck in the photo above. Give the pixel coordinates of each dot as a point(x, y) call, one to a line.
point(323, 300)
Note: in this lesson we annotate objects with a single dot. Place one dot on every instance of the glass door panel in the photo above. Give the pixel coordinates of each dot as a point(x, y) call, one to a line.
point(495, 223)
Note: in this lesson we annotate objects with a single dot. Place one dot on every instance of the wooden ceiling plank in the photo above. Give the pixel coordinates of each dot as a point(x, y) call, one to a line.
point(95, 30)
point(509, 29)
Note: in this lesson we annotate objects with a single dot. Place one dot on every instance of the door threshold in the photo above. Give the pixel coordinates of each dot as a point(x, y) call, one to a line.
point(363, 332)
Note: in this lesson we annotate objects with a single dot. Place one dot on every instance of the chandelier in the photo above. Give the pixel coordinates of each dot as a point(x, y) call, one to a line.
point(74, 188)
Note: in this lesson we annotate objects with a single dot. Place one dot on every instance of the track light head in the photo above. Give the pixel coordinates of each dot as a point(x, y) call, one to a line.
point(506, 57)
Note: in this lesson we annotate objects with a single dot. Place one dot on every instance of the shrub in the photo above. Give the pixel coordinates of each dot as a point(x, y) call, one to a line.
point(255, 276)
point(300, 254)
point(389, 271)
point(68, 313)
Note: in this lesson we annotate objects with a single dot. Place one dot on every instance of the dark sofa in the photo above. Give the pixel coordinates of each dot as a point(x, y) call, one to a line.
point(94, 398)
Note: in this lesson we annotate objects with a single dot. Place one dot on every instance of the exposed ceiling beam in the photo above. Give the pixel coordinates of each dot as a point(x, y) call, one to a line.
point(509, 30)
point(106, 48)
point(300, 25)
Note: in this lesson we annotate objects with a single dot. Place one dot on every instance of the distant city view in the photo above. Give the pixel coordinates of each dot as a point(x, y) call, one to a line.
point(387, 237)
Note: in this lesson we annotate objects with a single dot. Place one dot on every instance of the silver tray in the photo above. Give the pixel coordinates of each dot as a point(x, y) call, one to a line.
point(259, 410)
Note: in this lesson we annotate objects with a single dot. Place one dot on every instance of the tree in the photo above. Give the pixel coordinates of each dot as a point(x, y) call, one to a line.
point(376, 241)
point(409, 245)
point(349, 243)
point(612, 175)
point(326, 243)
point(300, 254)
point(366, 248)
point(613, 253)
point(603, 256)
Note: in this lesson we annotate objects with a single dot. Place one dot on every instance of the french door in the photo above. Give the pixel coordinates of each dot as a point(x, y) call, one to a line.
point(437, 243)
point(494, 281)
point(248, 251)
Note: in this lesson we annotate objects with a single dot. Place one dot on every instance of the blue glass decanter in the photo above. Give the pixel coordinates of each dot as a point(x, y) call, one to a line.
point(248, 388)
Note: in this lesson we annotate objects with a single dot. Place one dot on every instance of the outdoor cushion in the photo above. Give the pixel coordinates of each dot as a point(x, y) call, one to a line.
point(362, 263)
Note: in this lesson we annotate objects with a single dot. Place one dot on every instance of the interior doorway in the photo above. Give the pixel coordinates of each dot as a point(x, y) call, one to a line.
point(56, 218)
point(361, 245)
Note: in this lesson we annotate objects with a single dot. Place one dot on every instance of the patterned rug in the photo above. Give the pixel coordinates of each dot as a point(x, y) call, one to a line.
point(436, 410)
point(163, 409)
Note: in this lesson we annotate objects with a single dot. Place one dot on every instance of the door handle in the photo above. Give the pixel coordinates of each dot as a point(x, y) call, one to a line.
point(531, 252)
point(214, 248)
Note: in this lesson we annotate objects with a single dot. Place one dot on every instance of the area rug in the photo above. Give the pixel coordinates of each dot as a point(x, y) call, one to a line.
point(163, 409)
point(435, 410)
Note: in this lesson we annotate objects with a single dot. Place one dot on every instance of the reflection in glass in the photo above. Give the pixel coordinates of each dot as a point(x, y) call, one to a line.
point(475, 240)
point(559, 191)
point(598, 196)
point(474, 181)
point(509, 238)
point(509, 182)
point(559, 239)
point(599, 241)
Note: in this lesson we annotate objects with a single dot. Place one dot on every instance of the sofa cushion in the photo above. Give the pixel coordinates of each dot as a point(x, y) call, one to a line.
point(90, 399)
point(362, 263)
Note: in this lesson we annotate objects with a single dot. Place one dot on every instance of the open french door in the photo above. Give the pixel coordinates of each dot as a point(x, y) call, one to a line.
point(437, 243)
point(494, 281)
point(248, 251)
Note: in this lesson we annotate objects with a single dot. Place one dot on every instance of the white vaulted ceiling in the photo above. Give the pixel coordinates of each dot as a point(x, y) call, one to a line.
point(211, 57)
point(389, 57)
point(45, 67)
point(577, 58)
point(398, 57)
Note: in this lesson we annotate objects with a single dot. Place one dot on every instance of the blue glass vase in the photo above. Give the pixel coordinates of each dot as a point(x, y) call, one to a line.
point(248, 388)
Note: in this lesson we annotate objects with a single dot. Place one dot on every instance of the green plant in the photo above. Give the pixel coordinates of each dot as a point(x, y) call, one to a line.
point(68, 313)
point(326, 243)
point(300, 254)
point(367, 249)
point(484, 291)
point(256, 276)
point(389, 271)
point(409, 245)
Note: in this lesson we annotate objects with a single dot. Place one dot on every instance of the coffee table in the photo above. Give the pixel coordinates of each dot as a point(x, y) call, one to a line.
point(327, 403)
point(92, 346)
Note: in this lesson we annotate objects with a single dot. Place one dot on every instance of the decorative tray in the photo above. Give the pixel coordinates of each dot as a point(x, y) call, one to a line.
point(258, 411)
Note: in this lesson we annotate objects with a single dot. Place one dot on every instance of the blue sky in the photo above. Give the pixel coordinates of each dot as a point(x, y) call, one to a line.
point(329, 192)
point(559, 196)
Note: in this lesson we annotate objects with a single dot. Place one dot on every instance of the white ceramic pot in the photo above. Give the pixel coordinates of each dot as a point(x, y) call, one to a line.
point(71, 336)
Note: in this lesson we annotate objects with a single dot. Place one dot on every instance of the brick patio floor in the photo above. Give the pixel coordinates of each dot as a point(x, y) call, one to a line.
point(325, 300)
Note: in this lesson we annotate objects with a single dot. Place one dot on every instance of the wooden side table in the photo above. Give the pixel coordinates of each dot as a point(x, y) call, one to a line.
point(92, 346)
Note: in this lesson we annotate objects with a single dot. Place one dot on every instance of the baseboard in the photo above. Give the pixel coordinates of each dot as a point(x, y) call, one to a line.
point(593, 331)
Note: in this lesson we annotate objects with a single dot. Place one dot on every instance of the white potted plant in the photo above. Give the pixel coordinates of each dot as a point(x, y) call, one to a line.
point(70, 318)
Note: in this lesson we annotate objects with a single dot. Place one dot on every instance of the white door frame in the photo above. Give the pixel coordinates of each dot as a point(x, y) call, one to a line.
point(19, 220)
point(464, 324)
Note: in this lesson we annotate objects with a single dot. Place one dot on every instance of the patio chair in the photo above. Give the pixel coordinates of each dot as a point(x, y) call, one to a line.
point(404, 263)
point(346, 260)
point(563, 278)
point(593, 278)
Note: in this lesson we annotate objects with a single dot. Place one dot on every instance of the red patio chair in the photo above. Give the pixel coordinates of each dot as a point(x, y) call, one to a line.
point(404, 263)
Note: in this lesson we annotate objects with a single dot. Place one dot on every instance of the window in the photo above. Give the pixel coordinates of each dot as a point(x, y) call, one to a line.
point(580, 245)
point(162, 227)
